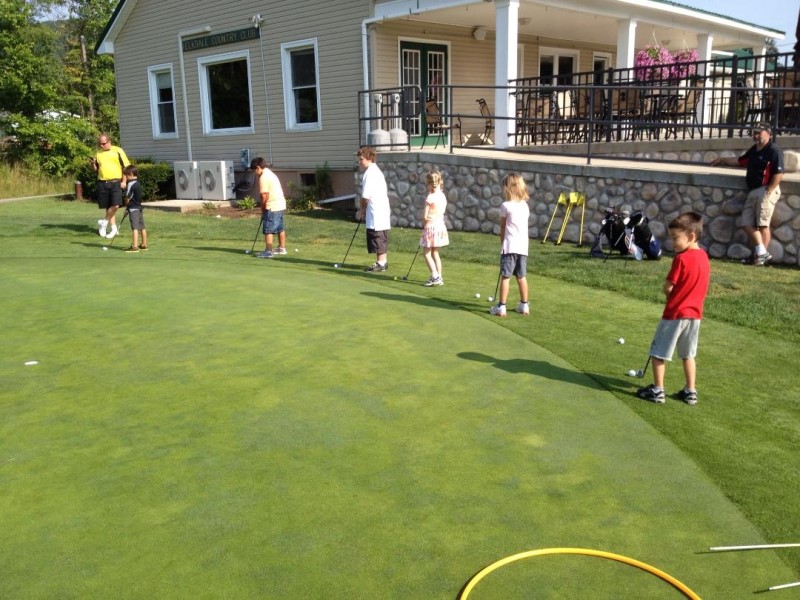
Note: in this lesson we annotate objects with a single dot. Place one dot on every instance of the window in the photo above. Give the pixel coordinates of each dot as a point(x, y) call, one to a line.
point(301, 85)
point(162, 101)
point(225, 95)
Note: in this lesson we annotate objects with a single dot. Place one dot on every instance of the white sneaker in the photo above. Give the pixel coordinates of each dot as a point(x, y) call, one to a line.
point(498, 310)
point(102, 224)
point(113, 233)
point(279, 251)
point(523, 308)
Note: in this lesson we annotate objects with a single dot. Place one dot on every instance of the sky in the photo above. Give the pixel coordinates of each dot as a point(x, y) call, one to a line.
point(775, 14)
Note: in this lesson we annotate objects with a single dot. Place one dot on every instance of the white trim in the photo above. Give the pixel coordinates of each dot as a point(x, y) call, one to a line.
point(152, 80)
point(556, 53)
point(288, 90)
point(205, 107)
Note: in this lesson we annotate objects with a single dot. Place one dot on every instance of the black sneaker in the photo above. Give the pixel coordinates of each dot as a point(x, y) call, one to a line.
point(688, 396)
point(651, 394)
point(377, 268)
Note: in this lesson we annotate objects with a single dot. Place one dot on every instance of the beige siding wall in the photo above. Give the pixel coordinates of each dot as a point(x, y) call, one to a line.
point(149, 38)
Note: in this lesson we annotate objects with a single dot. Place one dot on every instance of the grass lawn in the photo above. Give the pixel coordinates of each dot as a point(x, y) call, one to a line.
point(202, 423)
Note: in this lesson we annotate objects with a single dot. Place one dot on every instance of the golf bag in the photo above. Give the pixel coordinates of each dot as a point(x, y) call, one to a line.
point(628, 234)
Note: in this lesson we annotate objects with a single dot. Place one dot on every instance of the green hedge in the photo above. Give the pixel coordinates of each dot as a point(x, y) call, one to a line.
point(156, 179)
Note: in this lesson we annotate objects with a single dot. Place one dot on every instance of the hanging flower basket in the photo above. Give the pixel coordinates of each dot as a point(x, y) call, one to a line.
point(653, 63)
point(684, 64)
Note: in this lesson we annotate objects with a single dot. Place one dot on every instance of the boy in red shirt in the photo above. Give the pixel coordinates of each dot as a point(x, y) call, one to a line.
point(685, 288)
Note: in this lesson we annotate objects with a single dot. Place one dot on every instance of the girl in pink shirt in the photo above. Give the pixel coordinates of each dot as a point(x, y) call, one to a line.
point(434, 233)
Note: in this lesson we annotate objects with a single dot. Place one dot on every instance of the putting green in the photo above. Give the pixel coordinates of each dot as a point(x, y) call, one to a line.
point(247, 428)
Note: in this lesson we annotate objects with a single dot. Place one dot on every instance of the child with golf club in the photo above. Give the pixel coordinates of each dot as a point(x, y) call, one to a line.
point(133, 206)
point(514, 214)
point(374, 208)
point(434, 232)
point(686, 287)
point(273, 207)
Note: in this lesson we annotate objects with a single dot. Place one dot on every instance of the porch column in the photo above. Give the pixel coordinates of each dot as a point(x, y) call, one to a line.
point(626, 43)
point(506, 13)
point(704, 44)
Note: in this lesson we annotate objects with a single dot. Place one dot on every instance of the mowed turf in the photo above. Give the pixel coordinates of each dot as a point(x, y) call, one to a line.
point(205, 424)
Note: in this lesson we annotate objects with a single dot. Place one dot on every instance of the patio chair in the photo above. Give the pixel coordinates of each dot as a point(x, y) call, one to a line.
point(683, 110)
point(435, 125)
point(626, 110)
point(488, 124)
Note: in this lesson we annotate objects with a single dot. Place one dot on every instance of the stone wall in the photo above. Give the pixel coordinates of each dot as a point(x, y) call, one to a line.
point(472, 186)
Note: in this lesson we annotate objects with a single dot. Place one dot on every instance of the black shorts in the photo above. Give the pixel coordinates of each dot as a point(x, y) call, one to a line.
point(136, 217)
point(109, 193)
point(377, 241)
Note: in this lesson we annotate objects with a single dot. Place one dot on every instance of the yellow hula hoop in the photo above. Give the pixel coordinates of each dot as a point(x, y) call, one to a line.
point(586, 552)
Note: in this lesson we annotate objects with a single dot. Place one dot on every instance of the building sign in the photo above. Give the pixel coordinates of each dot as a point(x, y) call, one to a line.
point(220, 39)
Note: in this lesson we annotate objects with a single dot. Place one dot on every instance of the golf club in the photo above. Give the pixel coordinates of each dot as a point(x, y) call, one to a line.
point(640, 373)
point(412, 264)
point(496, 288)
point(341, 264)
point(118, 228)
point(253, 247)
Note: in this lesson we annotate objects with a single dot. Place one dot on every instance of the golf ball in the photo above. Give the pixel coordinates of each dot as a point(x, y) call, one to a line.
point(631, 373)
point(336, 265)
point(105, 248)
point(395, 278)
point(477, 295)
point(490, 298)
point(296, 250)
point(621, 341)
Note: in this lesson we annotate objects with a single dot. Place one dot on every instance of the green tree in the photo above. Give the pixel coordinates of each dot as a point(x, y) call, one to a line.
point(29, 77)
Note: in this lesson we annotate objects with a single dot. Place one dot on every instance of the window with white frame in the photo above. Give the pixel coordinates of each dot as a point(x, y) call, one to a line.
point(556, 65)
point(225, 95)
point(162, 101)
point(301, 85)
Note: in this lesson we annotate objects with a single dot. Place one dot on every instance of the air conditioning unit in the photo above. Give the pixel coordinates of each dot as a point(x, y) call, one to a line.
point(216, 179)
point(187, 180)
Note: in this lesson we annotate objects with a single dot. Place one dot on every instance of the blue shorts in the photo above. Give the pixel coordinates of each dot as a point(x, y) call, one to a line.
point(273, 221)
point(513, 264)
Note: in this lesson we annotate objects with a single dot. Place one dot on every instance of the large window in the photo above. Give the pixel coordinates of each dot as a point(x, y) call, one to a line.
point(301, 85)
point(162, 101)
point(556, 65)
point(225, 93)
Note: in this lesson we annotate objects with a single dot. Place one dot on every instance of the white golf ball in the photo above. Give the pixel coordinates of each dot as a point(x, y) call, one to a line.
point(631, 373)
point(490, 299)
point(477, 295)
point(296, 250)
point(105, 248)
point(336, 265)
point(219, 216)
point(621, 341)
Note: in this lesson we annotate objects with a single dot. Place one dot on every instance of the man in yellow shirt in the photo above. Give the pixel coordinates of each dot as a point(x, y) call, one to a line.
point(109, 162)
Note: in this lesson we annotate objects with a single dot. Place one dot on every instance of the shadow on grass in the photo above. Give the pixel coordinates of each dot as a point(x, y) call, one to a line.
point(418, 300)
point(76, 227)
point(533, 367)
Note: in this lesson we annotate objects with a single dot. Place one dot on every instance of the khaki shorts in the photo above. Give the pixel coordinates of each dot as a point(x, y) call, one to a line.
point(672, 334)
point(759, 207)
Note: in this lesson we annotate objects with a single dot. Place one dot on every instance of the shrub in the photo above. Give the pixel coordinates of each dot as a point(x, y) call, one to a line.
point(301, 198)
point(155, 179)
point(246, 203)
point(52, 144)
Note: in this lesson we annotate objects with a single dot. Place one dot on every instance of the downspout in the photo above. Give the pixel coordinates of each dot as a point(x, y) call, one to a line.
point(181, 35)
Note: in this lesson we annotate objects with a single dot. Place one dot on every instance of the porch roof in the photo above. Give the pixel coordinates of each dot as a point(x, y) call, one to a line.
point(670, 24)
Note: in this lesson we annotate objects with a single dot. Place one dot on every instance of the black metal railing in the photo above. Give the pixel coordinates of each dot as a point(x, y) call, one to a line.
point(702, 99)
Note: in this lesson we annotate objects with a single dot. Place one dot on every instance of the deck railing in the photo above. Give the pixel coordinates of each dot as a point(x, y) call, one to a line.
point(710, 99)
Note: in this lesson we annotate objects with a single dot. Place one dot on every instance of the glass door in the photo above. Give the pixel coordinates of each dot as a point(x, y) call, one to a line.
point(425, 66)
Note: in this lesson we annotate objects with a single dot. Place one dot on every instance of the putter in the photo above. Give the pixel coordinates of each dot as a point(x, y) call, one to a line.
point(497, 287)
point(641, 372)
point(118, 228)
point(253, 247)
point(341, 264)
point(412, 264)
